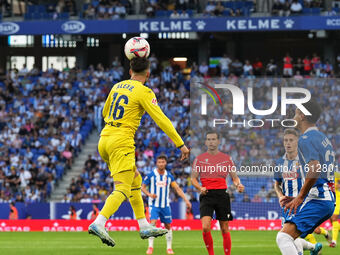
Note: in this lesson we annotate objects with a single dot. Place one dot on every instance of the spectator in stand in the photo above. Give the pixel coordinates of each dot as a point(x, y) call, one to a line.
point(247, 68)
point(256, 199)
point(299, 66)
point(307, 65)
point(316, 64)
point(182, 4)
point(237, 67)
point(24, 71)
point(150, 11)
point(120, 10)
point(286, 8)
point(224, 64)
point(296, 7)
point(90, 12)
point(330, 12)
point(298, 76)
point(327, 67)
point(238, 13)
point(258, 66)
point(184, 15)
point(277, 8)
point(245, 198)
point(210, 8)
point(219, 9)
point(271, 68)
point(174, 15)
point(203, 69)
point(287, 66)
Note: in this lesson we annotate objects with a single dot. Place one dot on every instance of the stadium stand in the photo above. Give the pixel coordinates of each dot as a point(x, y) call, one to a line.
point(95, 182)
point(109, 9)
point(37, 143)
point(37, 110)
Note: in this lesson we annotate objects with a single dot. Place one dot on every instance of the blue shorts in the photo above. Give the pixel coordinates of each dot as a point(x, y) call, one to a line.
point(164, 214)
point(310, 216)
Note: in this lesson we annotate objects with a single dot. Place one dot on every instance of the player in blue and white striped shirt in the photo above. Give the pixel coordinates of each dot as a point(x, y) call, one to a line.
point(315, 202)
point(159, 182)
point(288, 182)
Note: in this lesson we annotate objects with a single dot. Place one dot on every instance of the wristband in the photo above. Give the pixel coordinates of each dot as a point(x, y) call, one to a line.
point(180, 146)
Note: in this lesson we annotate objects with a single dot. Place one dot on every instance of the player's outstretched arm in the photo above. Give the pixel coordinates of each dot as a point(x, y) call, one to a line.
point(149, 103)
point(180, 192)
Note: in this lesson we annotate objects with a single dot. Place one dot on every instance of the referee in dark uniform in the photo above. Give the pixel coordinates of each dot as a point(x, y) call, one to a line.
point(212, 168)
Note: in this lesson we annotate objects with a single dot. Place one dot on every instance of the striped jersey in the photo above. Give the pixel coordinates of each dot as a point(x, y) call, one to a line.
point(159, 185)
point(289, 175)
point(314, 145)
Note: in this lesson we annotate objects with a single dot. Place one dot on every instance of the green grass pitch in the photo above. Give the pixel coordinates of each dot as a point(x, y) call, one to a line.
point(129, 243)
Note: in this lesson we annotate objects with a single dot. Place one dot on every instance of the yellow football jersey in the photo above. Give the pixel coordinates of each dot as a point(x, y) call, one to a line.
point(337, 182)
point(124, 107)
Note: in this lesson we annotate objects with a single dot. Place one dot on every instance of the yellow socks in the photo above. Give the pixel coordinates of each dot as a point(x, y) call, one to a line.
point(323, 231)
point(335, 230)
point(121, 192)
point(112, 204)
point(310, 238)
point(136, 199)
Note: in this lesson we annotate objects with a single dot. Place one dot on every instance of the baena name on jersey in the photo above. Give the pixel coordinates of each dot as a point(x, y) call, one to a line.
point(125, 86)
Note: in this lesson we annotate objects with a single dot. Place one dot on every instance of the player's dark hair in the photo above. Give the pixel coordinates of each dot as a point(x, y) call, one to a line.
point(291, 131)
point(162, 157)
point(211, 131)
point(139, 65)
point(315, 109)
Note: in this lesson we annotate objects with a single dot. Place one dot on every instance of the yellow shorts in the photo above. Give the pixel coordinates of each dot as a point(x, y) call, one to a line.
point(337, 203)
point(118, 156)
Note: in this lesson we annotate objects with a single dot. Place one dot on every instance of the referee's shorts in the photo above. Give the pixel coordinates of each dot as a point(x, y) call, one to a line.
point(218, 201)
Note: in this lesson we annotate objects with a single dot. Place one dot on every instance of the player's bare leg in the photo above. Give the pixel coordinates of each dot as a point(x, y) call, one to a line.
point(226, 237)
point(335, 230)
point(206, 227)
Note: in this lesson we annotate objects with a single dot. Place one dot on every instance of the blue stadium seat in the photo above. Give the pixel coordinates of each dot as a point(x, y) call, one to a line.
point(95, 3)
point(31, 8)
point(316, 10)
point(36, 15)
point(161, 13)
point(41, 8)
point(64, 15)
point(28, 16)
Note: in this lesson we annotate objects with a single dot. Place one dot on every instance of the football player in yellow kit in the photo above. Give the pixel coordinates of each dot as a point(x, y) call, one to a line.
point(335, 216)
point(123, 110)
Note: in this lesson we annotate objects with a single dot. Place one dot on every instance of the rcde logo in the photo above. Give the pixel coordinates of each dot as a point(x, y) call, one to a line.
point(73, 26)
point(7, 28)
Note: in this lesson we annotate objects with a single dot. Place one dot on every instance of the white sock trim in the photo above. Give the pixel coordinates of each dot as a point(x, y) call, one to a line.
point(100, 220)
point(143, 223)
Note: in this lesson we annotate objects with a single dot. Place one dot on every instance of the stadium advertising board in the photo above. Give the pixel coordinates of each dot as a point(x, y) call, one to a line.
point(171, 25)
